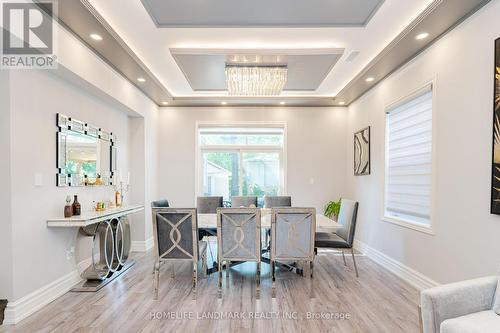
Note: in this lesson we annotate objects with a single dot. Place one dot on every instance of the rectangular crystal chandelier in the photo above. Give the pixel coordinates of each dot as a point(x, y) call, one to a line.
point(255, 80)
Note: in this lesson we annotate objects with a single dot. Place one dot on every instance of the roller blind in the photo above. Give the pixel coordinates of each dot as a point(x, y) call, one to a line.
point(409, 159)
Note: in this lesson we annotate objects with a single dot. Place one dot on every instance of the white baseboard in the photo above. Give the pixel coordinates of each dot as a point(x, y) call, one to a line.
point(27, 305)
point(416, 279)
point(142, 246)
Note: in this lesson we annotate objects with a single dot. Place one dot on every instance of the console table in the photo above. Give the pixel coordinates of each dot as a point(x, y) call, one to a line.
point(111, 229)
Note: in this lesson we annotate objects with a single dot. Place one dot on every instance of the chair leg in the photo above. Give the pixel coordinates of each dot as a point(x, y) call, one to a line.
point(204, 265)
point(305, 269)
point(311, 281)
point(172, 273)
point(274, 279)
point(258, 282)
point(156, 270)
point(343, 257)
point(219, 272)
point(354, 261)
point(228, 265)
point(195, 278)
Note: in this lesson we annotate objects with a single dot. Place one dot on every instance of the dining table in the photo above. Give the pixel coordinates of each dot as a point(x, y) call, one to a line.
point(323, 223)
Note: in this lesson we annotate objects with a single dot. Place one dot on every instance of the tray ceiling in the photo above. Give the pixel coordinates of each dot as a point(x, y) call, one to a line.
point(262, 13)
point(153, 44)
point(137, 48)
point(204, 69)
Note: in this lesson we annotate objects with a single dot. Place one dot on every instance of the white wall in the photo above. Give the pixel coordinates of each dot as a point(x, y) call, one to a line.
point(80, 64)
point(6, 286)
point(316, 141)
point(36, 97)
point(465, 244)
point(86, 88)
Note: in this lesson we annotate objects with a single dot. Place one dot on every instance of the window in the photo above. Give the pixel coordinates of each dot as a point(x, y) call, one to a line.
point(409, 161)
point(240, 160)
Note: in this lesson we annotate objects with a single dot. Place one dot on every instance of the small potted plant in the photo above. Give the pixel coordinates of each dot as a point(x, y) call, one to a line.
point(332, 209)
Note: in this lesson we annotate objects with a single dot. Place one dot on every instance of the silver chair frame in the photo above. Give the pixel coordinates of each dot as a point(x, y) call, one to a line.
point(309, 256)
point(160, 258)
point(227, 259)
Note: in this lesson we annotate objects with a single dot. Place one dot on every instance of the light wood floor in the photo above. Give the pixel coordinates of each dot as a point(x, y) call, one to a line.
point(377, 301)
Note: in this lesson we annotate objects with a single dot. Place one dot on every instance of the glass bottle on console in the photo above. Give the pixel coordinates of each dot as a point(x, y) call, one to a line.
point(77, 208)
point(68, 209)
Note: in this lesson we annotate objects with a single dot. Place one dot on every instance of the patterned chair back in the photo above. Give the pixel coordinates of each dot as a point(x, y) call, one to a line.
point(347, 219)
point(292, 233)
point(238, 202)
point(277, 201)
point(209, 205)
point(238, 234)
point(175, 233)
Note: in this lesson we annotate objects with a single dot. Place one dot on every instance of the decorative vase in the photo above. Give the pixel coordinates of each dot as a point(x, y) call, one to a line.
point(77, 208)
point(118, 199)
point(68, 209)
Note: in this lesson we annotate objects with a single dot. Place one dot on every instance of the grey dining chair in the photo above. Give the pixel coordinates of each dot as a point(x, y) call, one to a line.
point(277, 201)
point(175, 233)
point(343, 238)
point(272, 202)
point(292, 238)
point(238, 239)
point(160, 203)
point(209, 205)
point(244, 201)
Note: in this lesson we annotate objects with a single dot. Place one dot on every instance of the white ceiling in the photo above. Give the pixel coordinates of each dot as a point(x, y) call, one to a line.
point(152, 45)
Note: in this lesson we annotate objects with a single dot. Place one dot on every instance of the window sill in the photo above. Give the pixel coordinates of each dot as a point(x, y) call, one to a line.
point(410, 225)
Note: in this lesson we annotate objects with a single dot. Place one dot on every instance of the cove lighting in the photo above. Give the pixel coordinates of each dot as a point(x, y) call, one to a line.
point(96, 37)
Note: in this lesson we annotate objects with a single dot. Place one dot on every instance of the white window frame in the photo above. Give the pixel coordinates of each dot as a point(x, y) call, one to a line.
point(239, 149)
point(430, 229)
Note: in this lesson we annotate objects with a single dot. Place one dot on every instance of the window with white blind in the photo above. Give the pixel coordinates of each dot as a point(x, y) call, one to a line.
point(408, 188)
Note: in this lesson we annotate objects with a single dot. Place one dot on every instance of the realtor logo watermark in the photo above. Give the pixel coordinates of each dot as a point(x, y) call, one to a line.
point(28, 35)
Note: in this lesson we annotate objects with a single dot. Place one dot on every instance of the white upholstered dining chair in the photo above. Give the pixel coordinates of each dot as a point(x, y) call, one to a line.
point(238, 239)
point(175, 233)
point(292, 238)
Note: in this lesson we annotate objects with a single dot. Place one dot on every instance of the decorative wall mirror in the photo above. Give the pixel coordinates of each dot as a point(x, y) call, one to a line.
point(86, 154)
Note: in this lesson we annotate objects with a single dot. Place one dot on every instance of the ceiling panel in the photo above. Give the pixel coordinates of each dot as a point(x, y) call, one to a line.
point(261, 13)
point(204, 69)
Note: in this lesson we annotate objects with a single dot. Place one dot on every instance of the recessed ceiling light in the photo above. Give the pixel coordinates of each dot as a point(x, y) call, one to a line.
point(341, 103)
point(223, 103)
point(422, 35)
point(141, 79)
point(282, 103)
point(164, 103)
point(96, 37)
point(369, 79)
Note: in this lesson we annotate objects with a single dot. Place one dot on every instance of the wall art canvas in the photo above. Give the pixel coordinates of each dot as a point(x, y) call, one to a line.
point(495, 179)
point(362, 152)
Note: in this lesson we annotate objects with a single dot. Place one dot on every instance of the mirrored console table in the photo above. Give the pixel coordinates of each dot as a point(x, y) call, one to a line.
point(110, 232)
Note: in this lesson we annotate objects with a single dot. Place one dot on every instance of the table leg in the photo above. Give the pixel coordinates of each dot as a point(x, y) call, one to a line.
point(114, 249)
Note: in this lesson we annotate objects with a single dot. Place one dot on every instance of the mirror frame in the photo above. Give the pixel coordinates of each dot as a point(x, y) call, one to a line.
point(68, 124)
